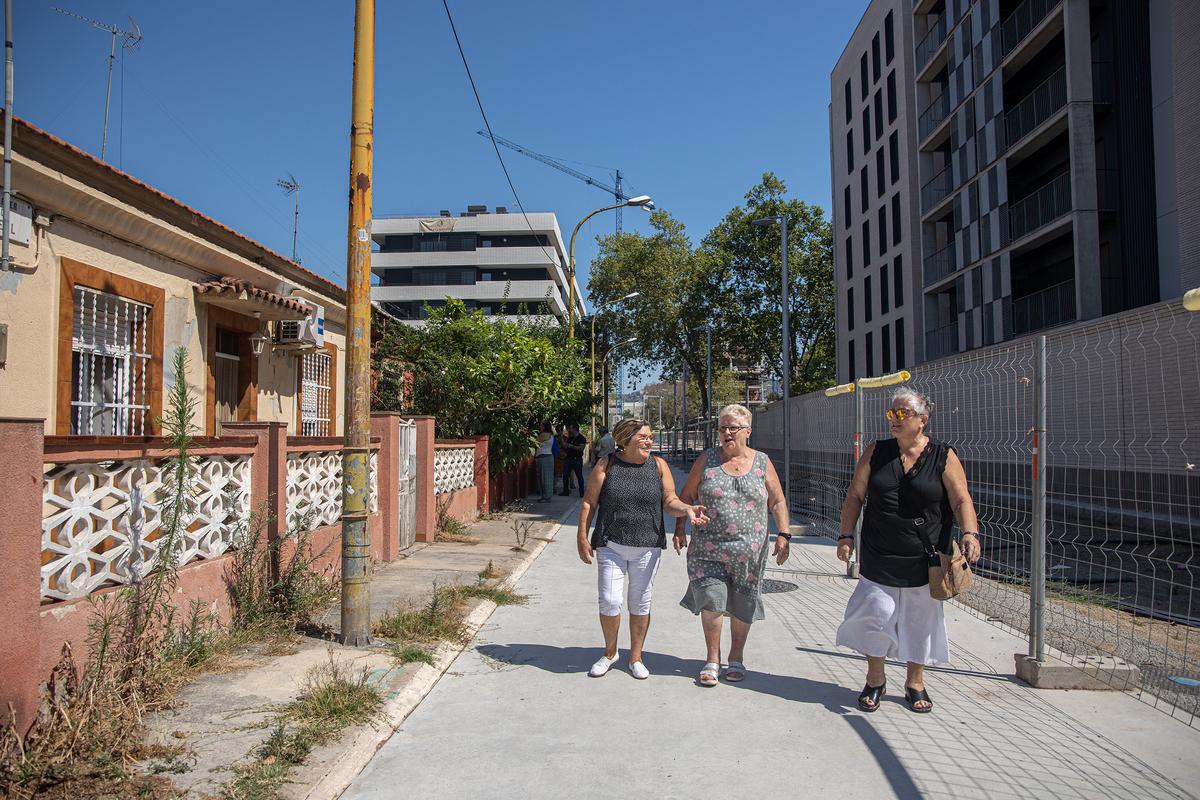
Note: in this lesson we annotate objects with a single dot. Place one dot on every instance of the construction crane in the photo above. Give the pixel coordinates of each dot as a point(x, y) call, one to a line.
point(130, 40)
point(618, 194)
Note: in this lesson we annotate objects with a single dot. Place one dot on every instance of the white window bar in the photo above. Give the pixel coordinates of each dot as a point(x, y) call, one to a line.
point(315, 391)
point(110, 346)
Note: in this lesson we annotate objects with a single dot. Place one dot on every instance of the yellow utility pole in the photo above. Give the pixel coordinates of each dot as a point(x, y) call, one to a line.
point(356, 455)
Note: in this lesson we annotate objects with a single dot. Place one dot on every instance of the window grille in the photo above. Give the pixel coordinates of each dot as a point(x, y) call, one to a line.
point(315, 393)
point(110, 357)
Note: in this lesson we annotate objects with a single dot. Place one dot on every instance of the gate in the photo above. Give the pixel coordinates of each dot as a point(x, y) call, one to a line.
point(406, 507)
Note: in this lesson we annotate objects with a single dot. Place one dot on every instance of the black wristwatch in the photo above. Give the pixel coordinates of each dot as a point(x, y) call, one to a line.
point(787, 537)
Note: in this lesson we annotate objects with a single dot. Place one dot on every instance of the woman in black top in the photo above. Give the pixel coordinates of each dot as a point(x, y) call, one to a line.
point(914, 488)
point(629, 492)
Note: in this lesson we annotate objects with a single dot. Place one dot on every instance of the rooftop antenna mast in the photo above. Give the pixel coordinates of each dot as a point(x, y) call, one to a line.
point(131, 39)
point(291, 186)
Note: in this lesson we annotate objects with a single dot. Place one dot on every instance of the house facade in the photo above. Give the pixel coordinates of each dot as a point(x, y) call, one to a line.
point(109, 277)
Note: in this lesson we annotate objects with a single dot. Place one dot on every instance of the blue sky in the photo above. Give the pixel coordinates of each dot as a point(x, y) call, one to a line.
point(691, 100)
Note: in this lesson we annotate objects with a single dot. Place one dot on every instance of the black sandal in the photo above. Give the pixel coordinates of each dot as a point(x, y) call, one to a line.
point(872, 694)
point(914, 696)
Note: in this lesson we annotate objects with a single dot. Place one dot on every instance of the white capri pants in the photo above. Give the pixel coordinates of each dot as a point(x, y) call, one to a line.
point(618, 564)
point(900, 623)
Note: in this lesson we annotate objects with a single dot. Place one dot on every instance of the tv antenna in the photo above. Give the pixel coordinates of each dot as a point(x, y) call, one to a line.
point(131, 39)
point(292, 186)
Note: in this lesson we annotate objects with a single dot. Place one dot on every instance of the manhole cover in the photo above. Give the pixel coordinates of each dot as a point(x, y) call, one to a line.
point(771, 586)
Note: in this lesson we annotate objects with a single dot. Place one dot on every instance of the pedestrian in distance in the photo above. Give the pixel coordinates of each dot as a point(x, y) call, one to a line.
point(545, 462)
point(913, 488)
point(574, 447)
point(727, 557)
point(605, 446)
point(628, 494)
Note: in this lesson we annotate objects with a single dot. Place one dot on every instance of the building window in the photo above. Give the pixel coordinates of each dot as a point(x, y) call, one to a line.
point(896, 226)
point(878, 101)
point(846, 210)
point(875, 63)
point(849, 113)
point(867, 310)
point(853, 372)
point(866, 243)
point(883, 289)
point(863, 192)
point(894, 154)
point(898, 281)
point(866, 129)
point(850, 309)
point(111, 351)
point(849, 257)
point(891, 96)
point(883, 245)
point(885, 341)
point(850, 152)
point(889, 38)
point(900, 360)
point(862, 75)
point(316, 392)
point(880, 175)
point(870, 345)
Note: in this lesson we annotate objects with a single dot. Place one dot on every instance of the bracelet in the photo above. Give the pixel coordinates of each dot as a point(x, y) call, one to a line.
point(972, 533)
point(846, 536)
point(787, 537)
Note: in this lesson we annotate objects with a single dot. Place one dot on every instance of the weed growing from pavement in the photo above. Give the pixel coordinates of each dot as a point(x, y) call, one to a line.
point(413, 654)
point(334, 697)
point(442, 617)
point(521, 525)
point(450, 528)
point(490, 572)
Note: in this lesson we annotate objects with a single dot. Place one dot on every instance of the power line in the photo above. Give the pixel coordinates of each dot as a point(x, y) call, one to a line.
point(491, 137)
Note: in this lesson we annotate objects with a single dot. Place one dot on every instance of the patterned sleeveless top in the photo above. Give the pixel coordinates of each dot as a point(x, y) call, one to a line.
point(630, 509)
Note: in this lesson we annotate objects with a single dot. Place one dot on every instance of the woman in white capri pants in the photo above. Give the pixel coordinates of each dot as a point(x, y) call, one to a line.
point(913, 488)
point(628, 493)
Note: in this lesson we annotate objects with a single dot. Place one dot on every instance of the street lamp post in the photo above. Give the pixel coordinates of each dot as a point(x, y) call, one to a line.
point(782, 221)
point(659, 398)
point(604, 368)
point(641, 201)
point(595, 314)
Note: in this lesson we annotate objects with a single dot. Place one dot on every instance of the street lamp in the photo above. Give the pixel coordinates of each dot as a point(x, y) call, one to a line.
point(782, 221)
point(604, 369)
point(595, 314)
point(641, 201)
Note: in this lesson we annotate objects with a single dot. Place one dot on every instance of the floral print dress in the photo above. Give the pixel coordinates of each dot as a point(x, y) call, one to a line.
point(726, 557)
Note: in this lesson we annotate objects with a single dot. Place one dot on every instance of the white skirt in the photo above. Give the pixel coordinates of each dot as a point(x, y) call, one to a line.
point(900, 623)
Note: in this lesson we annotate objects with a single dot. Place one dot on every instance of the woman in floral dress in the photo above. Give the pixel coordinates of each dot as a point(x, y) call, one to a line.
point(727, 556)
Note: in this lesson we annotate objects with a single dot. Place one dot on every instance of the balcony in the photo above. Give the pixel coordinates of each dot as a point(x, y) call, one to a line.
point(934, 38)
point(937, 189)
point(1044, 309)
point(933, 115)
point(1040, 208)
point(940, 264)
point(1022, 21)
point(1043, 102)
point(941, 341)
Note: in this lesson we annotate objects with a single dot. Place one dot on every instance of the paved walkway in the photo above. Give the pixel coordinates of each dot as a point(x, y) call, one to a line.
point(517, 716)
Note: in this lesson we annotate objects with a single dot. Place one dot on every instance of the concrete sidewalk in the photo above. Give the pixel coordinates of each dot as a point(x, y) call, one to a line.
point(517, 716)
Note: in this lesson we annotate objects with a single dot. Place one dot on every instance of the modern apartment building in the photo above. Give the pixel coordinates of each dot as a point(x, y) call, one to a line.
point(495, 261)
point(876, 233)
point(1051, 182)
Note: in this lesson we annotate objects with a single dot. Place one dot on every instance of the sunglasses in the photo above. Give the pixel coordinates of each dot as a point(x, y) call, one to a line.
point(900, 414)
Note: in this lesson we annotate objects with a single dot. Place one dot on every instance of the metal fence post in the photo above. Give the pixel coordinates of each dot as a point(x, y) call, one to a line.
point(852, 564)
point(1037, 565)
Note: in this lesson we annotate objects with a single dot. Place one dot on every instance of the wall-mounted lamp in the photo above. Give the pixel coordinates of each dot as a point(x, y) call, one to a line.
point(258, 342)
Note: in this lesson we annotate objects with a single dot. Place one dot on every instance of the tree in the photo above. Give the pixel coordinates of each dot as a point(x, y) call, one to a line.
point(680, 291)
point(486, 376)
point(726, 389)
point(754, 262)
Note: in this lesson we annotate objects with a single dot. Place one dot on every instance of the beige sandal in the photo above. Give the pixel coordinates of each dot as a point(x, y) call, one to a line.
point(709, 673)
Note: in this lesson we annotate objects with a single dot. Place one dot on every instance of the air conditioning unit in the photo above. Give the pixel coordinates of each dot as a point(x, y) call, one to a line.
point(307, 333)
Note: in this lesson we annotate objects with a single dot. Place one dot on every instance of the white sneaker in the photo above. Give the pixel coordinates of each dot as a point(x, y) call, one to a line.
point(602, 666)
point(638, 670)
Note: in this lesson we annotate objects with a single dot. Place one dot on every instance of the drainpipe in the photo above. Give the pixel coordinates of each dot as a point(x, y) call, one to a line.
point(5, 258)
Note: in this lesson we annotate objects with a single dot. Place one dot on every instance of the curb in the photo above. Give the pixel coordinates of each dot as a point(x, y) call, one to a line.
point(366, 744)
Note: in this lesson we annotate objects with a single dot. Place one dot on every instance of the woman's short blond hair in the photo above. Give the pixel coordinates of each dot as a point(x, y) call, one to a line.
point(626, 429)
point(738, 412)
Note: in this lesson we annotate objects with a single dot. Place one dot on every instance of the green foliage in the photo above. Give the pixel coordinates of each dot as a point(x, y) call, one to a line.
point(480, 375)
point(731, 282)
point(726, 389)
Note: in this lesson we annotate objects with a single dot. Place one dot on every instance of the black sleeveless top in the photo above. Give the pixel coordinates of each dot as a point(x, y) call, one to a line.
point(902, 512)
point(630, 509)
